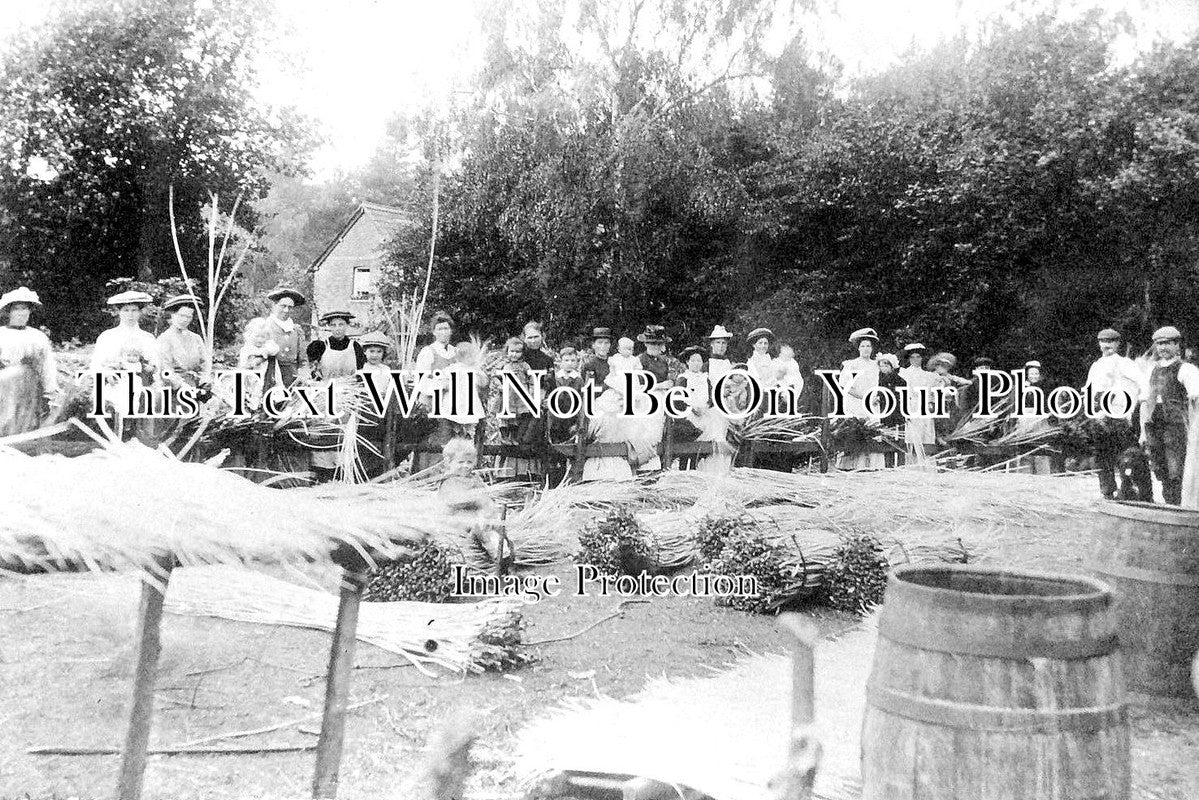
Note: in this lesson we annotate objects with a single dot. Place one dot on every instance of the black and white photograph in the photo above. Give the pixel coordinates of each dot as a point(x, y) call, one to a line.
point(599, 399)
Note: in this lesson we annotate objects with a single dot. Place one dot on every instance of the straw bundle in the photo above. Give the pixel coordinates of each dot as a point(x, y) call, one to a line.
point(461, 637)
point(128, 507)
point(545, 530)
point(781, 429)
point(725, 736)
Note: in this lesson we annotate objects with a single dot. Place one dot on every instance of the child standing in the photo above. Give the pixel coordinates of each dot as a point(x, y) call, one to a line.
point(513, 428)
point(568, 374)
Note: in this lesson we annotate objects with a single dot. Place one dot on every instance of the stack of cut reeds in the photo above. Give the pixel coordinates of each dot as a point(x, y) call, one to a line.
point(129, 507)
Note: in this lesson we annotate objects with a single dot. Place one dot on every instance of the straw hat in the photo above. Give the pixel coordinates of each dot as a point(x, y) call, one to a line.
point(948, 359)
point(1108, 335)
point(181, 300)
point(719, 332)
point(863, 333)
point(130, 297)
point(279, 292)
point(601, 333)
point(653, 334)
point(1030, 364)
point(758, 333)
point(374, 339)
point(1166, 334)
point(890, 358)
point(914, 347)
point(22, 294)
point(329, 316)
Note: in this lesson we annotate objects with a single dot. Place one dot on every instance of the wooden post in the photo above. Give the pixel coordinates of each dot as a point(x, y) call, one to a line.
point(796, 779)
point(576, 466)
point(825, 432)
point(141, 712)
point(389, 437)
point(668, 442)
point(337, 686)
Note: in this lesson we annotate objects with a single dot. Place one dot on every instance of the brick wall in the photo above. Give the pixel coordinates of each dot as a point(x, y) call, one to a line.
point(332, 283)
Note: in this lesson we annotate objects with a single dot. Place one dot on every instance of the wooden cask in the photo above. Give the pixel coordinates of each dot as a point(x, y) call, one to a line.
point(1149, 555)
point(995, 685)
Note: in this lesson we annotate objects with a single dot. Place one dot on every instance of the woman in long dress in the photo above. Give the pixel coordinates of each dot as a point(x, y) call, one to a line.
point(128, 348)
point(182, 356)
point(857, 377)
point(286, 333)
point(28, 373)
point(337, 358)
point(920, 431)
point(437, 356)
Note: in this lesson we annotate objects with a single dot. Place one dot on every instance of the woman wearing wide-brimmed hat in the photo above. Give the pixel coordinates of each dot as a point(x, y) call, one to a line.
point(127, 346)
point(760, 362)
point(182, 355)
point(286, 333)
point(718, 352)
point(28, 373)
point(857, 378)
point(942, 365)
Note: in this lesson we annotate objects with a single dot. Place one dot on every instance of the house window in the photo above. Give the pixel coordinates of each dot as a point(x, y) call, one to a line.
point(363, 285)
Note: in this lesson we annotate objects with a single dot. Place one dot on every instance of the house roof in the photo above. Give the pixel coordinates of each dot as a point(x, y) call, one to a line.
point(388, 219)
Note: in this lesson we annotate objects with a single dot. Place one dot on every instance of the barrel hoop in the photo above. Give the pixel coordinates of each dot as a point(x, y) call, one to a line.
point(1147, 575)
point(967, 642)
point(959, 716)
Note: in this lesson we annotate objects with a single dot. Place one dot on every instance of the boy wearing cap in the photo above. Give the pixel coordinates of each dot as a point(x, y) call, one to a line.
point(1110, 436)
point(28, 374)
point(1167, 395)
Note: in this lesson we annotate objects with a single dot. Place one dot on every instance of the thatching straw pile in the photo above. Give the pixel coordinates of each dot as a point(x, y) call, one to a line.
point(129, 507)
point(462, 637)
point(725, 736)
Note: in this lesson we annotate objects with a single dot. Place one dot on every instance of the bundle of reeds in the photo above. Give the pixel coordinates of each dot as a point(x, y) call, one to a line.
point(1041, 432)
point(976, 429)
point(781, 429)
point(461, 637)
point(129, 507)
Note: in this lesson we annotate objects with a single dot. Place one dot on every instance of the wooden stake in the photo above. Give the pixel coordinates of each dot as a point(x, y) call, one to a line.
point(337, 686)
point(149, 645)
point(796, 779)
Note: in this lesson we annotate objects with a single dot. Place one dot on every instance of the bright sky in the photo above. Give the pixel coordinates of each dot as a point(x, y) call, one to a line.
point(364, 60)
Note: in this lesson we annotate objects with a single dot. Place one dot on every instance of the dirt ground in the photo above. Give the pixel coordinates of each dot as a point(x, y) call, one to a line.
point(65, 662)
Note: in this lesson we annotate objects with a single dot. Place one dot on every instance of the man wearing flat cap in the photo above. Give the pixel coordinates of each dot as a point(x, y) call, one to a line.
point(286, 332)
point(1110, 436)
point(1167, 396)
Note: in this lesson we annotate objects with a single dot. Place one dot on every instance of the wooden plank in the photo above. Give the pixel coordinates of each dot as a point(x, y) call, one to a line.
point(337, 686)
point(149, 646)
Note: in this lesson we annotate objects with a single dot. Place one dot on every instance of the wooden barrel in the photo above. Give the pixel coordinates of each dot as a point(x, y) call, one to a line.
point(995, 685)
point(1149, 555)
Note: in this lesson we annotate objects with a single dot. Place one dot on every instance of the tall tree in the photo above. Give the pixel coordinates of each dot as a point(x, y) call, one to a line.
point(106, 106)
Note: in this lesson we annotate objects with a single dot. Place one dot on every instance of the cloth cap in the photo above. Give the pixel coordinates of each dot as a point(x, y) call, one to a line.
point(758, 333)
point(181, 300)
point(601, 333)
point(863, 333)
point(374, 339)
point(653, 334)
point(130, 297)
point(719, 332)
point(22, 294)
point(890, 358)
point(1108, 335)
point(279, 292)
point(329, 316)
point(1166, 334)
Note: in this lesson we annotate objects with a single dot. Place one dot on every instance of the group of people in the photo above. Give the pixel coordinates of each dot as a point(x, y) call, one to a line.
point(276, 350)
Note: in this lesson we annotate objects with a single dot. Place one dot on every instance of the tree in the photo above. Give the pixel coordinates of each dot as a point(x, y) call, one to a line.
point(119, 101)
